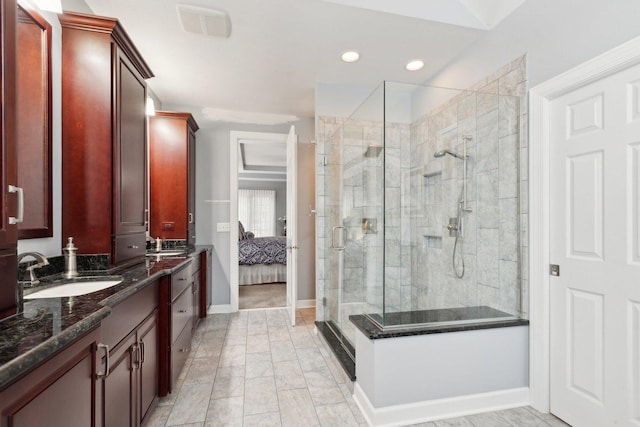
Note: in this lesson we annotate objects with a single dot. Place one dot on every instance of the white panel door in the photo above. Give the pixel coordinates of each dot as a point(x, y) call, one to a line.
point(595, 238)
point(292, 223)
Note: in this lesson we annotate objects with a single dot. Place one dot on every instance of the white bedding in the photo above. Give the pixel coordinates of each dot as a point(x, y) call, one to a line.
point(262, 273)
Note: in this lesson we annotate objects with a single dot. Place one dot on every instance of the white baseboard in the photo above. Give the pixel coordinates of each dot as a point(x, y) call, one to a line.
point(305, 303)
point(420, 412)
point(226, 308)
point(217, 309)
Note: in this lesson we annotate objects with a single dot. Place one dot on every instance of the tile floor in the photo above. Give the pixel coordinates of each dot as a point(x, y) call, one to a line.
point(253, 369)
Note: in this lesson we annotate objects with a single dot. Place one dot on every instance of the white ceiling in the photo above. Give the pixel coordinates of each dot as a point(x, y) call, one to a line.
point(279, 49)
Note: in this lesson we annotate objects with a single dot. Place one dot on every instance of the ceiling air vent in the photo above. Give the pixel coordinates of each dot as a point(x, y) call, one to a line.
point(206, 22)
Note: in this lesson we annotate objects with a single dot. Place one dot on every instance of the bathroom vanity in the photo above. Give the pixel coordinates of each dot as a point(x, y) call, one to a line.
point(106, 351)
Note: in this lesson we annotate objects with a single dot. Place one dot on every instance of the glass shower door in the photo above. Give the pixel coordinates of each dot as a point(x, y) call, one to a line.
point(334, 233)
point(354, 186)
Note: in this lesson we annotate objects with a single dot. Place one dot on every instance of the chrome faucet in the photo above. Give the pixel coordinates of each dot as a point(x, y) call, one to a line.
point(41, 261)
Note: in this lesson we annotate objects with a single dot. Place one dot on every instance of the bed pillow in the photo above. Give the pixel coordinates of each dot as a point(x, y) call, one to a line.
point(241, 233)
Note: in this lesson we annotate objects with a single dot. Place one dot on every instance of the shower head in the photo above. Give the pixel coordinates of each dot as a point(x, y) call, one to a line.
point(373, 151)
point(443, 153)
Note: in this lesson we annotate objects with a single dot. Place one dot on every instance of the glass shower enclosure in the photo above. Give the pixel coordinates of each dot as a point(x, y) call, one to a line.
point(420, 220)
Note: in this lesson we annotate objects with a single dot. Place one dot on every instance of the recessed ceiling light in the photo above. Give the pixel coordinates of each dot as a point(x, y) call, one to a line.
point(350, 56)
point(414, 65)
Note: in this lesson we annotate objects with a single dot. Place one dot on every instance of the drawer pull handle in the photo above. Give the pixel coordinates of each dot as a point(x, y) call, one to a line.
point(134, 247)
point(107, 367)
point(182, 279)
point(142, 352)
point(184, 350)
point(20, 217)
point(182, 311)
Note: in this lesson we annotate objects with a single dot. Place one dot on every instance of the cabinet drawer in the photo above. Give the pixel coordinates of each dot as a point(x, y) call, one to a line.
point(127, 315)
point(180, 351)
point(129, 247)
point(181, 313)
point(180, 280)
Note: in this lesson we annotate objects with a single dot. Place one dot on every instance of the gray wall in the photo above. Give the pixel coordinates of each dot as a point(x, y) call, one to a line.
point(555, 35)
point(281, 197)
point(212, 183)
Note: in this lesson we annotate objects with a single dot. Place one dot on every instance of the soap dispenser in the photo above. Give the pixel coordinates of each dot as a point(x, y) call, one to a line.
point(70, 262)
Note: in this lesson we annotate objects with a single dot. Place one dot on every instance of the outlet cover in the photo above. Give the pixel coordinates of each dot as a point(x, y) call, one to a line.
point(223, 226)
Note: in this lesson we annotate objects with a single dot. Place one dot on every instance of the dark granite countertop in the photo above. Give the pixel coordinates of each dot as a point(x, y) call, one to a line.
point(422, 322)
point(44, 326)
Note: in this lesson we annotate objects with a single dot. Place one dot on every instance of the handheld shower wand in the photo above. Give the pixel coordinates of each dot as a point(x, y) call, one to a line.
point(456, 225)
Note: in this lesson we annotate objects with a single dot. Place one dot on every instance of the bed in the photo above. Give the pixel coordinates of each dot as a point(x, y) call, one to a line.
point(262, 260)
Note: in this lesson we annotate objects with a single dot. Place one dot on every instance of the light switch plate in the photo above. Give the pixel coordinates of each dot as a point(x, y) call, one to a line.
point(223, 226)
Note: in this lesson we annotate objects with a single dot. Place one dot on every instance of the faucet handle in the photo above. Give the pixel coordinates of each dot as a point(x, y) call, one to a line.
point(33, 280)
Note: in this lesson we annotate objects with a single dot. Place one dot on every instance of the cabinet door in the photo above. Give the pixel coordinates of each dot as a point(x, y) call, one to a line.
point(58, 393)
point(130, 148)
point(8, 157)
point(148, 342)
point(191, 198)
point(119, 385)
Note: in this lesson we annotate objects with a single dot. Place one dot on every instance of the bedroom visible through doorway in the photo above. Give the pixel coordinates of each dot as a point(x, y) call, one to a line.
point(259, 201)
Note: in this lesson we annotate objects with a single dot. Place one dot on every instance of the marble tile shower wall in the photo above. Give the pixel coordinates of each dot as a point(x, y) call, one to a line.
point(420, 193)
point(493, 241)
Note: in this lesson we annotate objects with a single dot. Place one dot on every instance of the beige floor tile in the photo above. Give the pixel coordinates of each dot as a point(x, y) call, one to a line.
point(260, 396)
point(336, 415)
point(263, 420)
point(283, 350)
point(296, 408)
point(258, 343)
point(201, 371)
point(289, 375)
point(159, 417)
point(227, 411)
point(229, 382)
point(259, 365)
point(232, 355)
point(191, 405)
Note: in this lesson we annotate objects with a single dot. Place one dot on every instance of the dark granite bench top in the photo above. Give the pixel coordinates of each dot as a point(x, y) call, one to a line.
point(422, 322)
point(44, 326)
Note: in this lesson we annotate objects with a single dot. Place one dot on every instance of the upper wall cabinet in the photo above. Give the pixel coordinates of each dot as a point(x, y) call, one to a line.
point(172, 173)
point(33, 134)
point(103, 138)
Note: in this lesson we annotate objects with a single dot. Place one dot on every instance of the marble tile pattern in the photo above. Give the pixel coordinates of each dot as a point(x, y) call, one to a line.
point(308, 389)
point(43, 326)
point(420, 193)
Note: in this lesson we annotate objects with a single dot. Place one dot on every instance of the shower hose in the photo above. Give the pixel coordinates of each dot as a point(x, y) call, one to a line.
point(457, 246)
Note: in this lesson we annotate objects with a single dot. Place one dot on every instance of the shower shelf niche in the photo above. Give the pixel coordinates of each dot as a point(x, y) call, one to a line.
point(432, 169)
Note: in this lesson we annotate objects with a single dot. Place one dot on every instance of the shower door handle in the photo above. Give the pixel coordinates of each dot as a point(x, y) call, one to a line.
point(333, 237)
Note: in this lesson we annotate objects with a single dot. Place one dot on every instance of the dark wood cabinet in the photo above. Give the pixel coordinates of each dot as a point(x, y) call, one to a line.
point(33, 121)
point(132, 384)
point(172, 176)
point(8, 159)
point(133, 333)
point(61, 392)
point(104, 138)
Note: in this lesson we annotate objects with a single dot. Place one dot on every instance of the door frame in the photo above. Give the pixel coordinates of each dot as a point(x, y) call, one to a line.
point(540, 97)
point(235, 137)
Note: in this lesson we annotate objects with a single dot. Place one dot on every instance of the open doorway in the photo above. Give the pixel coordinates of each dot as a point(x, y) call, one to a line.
point(260, 203)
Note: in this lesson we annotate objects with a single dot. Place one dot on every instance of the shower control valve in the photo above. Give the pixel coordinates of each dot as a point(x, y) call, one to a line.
point(453, 227)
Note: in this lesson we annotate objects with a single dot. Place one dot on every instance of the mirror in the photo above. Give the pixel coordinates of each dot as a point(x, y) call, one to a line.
point(33, 133)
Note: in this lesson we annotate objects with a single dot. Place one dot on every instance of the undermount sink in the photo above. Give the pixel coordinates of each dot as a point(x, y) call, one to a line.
point(166, 253)
point(75, 288)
